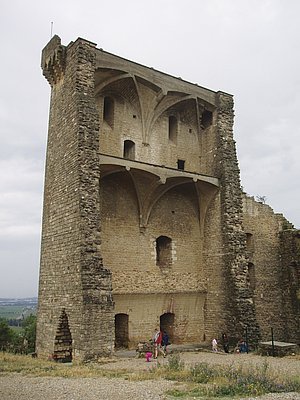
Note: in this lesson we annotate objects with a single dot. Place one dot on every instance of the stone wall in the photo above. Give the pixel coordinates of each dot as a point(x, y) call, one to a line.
point(207, 259)
point(290, 283)
point(142, 177)
point(144, 310)
point(270, 254)
point(137, 208)
point(239, 308)
point(72, 277)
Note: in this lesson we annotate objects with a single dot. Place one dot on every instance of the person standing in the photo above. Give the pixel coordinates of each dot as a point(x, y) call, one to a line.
point(157, 341)
point(214, 345)
point(165, 341)
point(225, 342)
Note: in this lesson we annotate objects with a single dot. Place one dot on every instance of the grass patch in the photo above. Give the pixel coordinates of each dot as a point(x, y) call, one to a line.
point(200, 380)
point(26, 365)
point(218, 381)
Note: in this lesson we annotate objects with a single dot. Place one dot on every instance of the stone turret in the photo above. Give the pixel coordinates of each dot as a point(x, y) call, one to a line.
point(73, 281)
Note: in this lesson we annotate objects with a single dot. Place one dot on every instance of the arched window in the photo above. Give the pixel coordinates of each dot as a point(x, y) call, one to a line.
point(129, 150)
point(173, 127)
point(163, 251)
point(206, 119)
point(108, 111)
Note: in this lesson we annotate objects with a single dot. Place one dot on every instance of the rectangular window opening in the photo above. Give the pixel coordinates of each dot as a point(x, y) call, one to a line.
point(180, 164)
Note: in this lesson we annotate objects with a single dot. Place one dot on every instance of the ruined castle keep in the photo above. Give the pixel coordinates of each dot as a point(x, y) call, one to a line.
point(145, 223)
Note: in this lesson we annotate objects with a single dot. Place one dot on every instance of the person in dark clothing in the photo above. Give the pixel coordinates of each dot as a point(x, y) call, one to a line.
point(243, 347)
point(165, 341)
point(225, 342)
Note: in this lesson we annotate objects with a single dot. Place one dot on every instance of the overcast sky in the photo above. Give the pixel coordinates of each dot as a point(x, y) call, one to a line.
point(249, 48)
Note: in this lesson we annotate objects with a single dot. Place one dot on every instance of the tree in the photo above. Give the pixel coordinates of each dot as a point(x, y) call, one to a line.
point(29, 333)
point(6, 334)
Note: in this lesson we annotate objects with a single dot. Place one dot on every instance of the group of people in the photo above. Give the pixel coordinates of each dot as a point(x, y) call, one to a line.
point(241, 347)
point(160, 342)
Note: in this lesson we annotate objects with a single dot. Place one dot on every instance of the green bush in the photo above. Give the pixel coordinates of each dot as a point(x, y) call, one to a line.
point(202, 373)
point(6, 335)
point(29, 333)
point(174, 363)
point(217, 381)
point(18, 342)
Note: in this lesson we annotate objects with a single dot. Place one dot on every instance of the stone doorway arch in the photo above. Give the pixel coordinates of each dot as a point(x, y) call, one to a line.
point(63, 340)
point(167, 324)
point(121, 331)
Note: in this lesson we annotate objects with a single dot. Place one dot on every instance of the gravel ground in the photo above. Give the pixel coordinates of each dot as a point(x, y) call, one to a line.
point(18, 387)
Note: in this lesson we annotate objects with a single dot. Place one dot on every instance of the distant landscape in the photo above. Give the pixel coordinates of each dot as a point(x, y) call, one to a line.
point(16, 310)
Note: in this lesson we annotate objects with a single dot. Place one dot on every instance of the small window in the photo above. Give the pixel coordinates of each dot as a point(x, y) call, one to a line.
point(108, 111)
point(129, 150)
point(251, 276)
point(163, 251)
point(207, 118)
point(180, 164)
point(173, 126)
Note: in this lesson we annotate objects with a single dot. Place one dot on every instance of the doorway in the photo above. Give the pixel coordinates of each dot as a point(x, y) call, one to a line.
point(129, 150)
point(167, 324)
point(121, 331)
point(63, 340)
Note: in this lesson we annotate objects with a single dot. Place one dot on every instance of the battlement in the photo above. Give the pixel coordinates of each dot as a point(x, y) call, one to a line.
point(53, 60)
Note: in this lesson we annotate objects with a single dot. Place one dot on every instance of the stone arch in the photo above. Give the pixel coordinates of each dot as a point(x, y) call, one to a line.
point(121, 331)
point(63, 340)
point(167, 324)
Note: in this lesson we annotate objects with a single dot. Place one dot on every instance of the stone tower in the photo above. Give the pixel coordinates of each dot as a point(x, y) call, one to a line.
point(142, 219)
point(75, 312)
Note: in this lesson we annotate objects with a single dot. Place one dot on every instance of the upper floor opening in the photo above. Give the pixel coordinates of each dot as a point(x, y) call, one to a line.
point(173, 128)
point(108, 110)
point(129, 150)
point(163, 251)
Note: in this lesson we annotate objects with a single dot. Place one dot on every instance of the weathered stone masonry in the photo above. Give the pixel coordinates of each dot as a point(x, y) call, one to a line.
point(238, 300)
point(144, 220)
point(72, 278)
